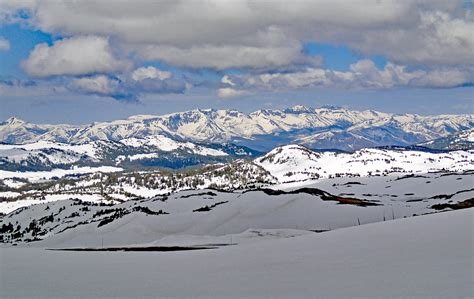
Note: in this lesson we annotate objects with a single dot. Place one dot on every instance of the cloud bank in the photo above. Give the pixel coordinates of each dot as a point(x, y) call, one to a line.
point(241, 33)
point(109, 49)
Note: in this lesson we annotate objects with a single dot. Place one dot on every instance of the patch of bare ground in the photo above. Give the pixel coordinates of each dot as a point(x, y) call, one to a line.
point(468, 203)
point(324, 196)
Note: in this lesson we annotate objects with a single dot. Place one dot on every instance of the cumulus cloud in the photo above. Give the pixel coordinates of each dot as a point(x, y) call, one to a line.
point(150, 72)
point(226, 80)
point(73, 56)
point(4, 44)
point(362, 74)
point(128, 88)
point(227, 34)
point(439, 38)
point(228, 92)
point(97, 85)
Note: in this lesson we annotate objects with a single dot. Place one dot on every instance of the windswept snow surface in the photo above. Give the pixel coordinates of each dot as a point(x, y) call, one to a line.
point(429, 256)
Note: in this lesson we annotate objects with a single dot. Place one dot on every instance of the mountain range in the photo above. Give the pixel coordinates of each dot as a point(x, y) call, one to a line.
point(262, 130)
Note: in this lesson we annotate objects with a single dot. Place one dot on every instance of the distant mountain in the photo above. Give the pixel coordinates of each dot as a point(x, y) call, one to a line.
point(463, 140)
point(320, 128)
point(129, 153)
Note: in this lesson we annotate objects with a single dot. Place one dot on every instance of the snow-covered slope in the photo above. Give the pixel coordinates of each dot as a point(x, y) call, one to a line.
point(288, 164)
point(262, 130)
point(297, 163)
point(163, 143)
point(45, 154)
point(155, 150)
point(456, 141)
point(107, 184)
point(211, 212)
point(420, 257)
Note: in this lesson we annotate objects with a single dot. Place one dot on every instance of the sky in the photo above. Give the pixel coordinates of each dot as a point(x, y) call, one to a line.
point(84, 61)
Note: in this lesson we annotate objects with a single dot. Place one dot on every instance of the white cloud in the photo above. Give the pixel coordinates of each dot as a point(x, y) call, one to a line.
point(362, 74)
point(150, 72)
point(218, 22)
point(226, 80)
point(228, 92)
point(438, 38)
point(4, 44)
point(447, 77)
point(73, 56)
point(223, 56)
point(226, 34)
point(98, 85)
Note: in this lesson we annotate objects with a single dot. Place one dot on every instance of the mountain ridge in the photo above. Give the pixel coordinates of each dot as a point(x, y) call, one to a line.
point(321, 128)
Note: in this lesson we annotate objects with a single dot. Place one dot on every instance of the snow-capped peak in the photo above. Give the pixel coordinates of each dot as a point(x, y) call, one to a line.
point(299, 109)
point(13, 121)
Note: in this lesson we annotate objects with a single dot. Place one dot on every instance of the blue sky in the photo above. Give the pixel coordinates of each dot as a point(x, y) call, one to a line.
point(69, 62)
point(22, 41)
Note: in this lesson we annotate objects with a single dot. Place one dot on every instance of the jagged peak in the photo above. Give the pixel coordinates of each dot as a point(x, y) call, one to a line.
point(13, 120)
point(332, 107)
point(266, 112)
point(205, 111)
point(299, 109)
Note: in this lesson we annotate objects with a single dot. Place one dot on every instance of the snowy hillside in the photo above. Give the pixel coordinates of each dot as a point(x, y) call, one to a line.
point(154, 150)
point(297, 163)
point(459, 140)
point(326, 127)
point(215, 213)
point(288, 164)
point(112, 184)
